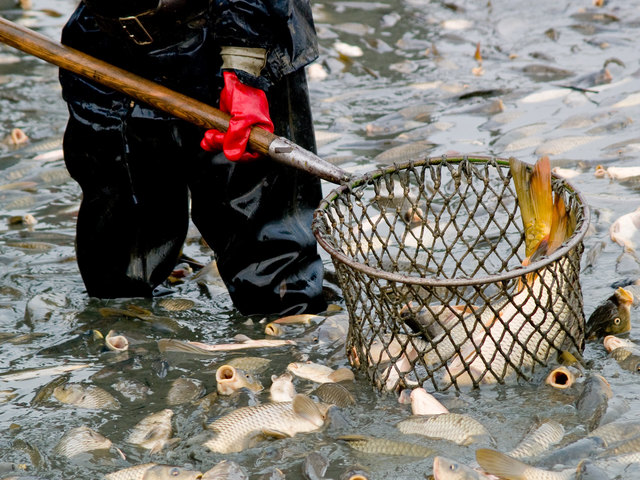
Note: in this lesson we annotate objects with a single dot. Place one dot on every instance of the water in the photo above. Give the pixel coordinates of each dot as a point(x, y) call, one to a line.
point(415, 52)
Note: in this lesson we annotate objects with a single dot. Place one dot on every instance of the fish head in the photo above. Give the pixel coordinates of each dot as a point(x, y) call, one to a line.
point(231, 379)
point(273, 329)
point(168, 472)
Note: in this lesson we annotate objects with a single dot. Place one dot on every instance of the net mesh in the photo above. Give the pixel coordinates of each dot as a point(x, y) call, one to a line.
point(429, 258)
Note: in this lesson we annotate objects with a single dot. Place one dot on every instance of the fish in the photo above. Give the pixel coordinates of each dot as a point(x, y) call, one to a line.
point(282, 389)
point(612, 317)
point(625, 352)
point(447, 469)
point(153, 432)
point(85, 396)
point(184, 390)
point(315, 466)
point(244, 342)
point(546, 435)
point(404, 119)
point(226, 470)
point(116, 343)
point(176, 304)
point(274, 330)
point(30, 373)
point(423, 403)
point(562, 377)
point(132, 390)
point(163, 324)
point(335, 394)
point(505, 467)
point(81, 440)
point(617, 173)
point(384, 446)
point(522, 327)
point(230, 379)
point(154, 471)
point(301, 319)
point(250, 364)
point(320, 373)
point(624, 228)
point(236, 430)
point(592, 403)
point(456, 427)
point(404, 153)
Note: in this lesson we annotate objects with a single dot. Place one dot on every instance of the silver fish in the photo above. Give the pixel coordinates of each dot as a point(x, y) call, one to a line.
point(184, 390)
point(226, 470)
point(153, 471)
point(447, 469)
point(538, 441)
point(503, 466)
point(455, 427)
point(384, 446)
point(81, 440)
point(234, 431)
point(153, 432)
point(84, 396)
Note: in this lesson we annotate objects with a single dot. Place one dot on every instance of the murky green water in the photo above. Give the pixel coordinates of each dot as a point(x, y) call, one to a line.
point(414, 53)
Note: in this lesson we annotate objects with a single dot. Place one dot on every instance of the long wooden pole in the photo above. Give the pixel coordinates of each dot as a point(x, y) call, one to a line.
point(162, 98)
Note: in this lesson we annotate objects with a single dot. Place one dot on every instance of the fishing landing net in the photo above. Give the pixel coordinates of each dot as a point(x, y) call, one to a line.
point(429, 258)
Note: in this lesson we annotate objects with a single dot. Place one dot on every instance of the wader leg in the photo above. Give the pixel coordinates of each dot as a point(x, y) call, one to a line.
point(257, 217)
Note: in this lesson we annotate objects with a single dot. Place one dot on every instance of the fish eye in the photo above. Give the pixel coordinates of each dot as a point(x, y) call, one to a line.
point(616, 321)
point(174, 472)
point(452, 467)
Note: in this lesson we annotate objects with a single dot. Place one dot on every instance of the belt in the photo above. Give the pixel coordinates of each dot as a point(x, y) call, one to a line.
point(150, 26)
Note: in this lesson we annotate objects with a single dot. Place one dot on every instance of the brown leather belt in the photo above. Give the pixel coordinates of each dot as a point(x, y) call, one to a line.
point(150, 26)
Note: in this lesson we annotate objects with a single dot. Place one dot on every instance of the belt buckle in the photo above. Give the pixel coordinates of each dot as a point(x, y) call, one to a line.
point(136, 31)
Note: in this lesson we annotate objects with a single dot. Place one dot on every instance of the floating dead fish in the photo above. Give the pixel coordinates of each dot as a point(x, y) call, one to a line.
point(116, 343)
point(153, 432)
point(404, 119)
point(244, 342)
point(230, 380)
point(31, 246)
point(624, 228)
point(630, 101)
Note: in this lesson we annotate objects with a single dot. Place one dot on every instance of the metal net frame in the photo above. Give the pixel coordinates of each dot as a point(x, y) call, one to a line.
point(429, 257)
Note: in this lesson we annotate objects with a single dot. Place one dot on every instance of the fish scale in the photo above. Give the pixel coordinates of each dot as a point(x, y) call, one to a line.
point(458, 428)
point(538, 441)
point(235, 429)
point(385, 446)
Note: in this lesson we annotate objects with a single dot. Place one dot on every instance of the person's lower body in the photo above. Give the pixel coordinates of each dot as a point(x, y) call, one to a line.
point(136, 165)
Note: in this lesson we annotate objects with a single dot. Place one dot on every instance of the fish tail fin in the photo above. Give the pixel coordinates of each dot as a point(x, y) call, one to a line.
point(501, 465)
point(535, 200)
point(559, 225)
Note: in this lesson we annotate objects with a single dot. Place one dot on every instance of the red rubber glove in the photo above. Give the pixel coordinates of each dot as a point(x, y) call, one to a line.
point(248, 107)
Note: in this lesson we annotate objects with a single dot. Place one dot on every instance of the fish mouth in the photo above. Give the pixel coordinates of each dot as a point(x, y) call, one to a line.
point(625, 296)
point(560, 378)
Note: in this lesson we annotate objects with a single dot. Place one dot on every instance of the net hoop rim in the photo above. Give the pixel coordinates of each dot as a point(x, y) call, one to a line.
point(317, 227)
